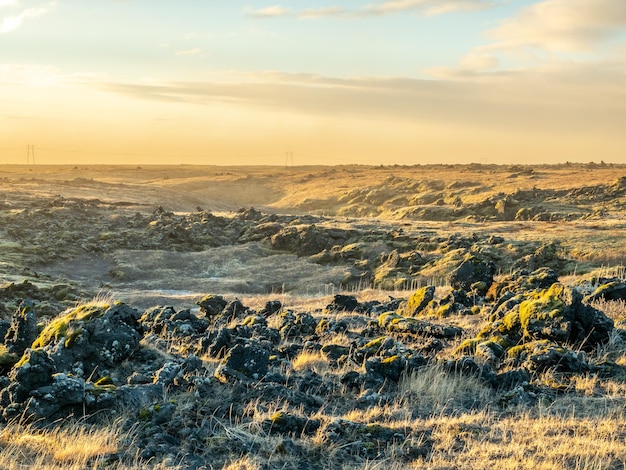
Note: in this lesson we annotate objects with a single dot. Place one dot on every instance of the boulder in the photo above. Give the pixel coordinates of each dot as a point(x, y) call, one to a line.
point(612, 290)
point(243, 363)
point(343, 303)
point(22, 331)
point(558, 314)
point(212, 305)
point(91, 337)
point(471, 271)
point(394, 323)
point(419, 300)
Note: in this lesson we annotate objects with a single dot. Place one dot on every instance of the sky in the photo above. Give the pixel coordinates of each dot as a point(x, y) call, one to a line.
point(272, 82)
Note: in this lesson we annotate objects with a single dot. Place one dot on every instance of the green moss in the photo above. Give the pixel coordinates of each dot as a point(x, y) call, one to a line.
point(445, 310)
point(322, 327)
point(542, 306)
point(106, 380)
point(501, 341)
point(145, 414)
point(388, 318)
point(522, 350)
point(6, 357)
point(375, 344)
point(419, 300)
point(71, 335)
point(510, 322)
point(279, 418)
point(390, 360)
point(252, 320)
point(468, 346)
point(59, 327)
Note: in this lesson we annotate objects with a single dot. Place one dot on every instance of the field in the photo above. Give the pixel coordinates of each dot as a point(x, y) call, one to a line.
point(439, 316)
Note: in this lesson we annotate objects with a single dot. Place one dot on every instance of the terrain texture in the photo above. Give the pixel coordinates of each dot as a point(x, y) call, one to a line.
point(313, 317)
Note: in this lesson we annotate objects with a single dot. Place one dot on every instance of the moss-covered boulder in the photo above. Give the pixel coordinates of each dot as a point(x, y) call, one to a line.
point(419, 300)
point(212, 305)
point(396, 323)
point(558, 314)
point(87, 339)
point(522, 281)
point(392, 368)
point(612, 290)
point(542, 355)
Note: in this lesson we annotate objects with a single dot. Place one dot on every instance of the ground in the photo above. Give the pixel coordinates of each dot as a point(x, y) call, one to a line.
point(284, 372)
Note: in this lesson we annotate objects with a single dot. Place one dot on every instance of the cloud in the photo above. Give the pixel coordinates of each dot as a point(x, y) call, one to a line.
point(427, 7)
point(32, 75)
point(563, 99)
point(543, 33)
point(387, 7)
point(7, 3)
point(563, 25)
point(192, 52)
point(268, 12)
point(11, 23)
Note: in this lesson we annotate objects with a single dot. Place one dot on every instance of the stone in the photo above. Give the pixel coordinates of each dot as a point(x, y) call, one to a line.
point(212, 305)
point(243, 363)
point(23, 329)
point(419, 300)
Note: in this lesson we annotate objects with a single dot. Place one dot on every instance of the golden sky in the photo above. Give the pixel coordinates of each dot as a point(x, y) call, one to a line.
point(378, 82)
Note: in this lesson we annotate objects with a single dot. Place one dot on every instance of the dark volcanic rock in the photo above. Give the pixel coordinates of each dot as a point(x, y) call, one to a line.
point(471, 271)
point(243, 363)
point(343, 303)
point(612, 290)
point(303, 240)
point(521, 281)
point(91, 338)
point(419, 300)
point(212, 305)
point(23, 329)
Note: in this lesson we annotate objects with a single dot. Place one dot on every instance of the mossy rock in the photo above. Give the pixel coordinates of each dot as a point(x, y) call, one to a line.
point(542, 355)
point(66, 324)
point(544, 315)
point(395, 323)
point(7, 358)
point(419, 300)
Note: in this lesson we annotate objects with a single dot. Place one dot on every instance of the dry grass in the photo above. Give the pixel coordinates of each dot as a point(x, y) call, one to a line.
point(437, 391)
point(311, 361)
point(67, 447)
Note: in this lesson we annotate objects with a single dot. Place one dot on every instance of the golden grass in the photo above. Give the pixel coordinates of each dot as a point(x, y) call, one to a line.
point(481, 441)
point(435, 390)
point(68, 447)
point(311, 361)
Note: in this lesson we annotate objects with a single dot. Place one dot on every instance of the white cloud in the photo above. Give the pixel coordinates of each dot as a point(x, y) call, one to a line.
point(427, 7)
point(387, 7)
point(29, 74)
point(7, 3)
point(563, 25)
point(542, 33)
point(11, 23)
point(268, 12)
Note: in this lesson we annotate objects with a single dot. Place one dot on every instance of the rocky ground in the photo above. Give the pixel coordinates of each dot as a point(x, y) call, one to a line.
point(268, 336)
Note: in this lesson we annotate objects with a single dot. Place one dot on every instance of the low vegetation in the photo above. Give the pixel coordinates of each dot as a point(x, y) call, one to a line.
point(397, 317)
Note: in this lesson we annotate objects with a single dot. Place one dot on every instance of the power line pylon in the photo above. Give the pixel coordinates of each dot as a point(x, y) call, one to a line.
point(30, 155)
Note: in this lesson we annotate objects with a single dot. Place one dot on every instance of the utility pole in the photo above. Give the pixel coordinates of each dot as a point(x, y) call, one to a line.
point(30, 153)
